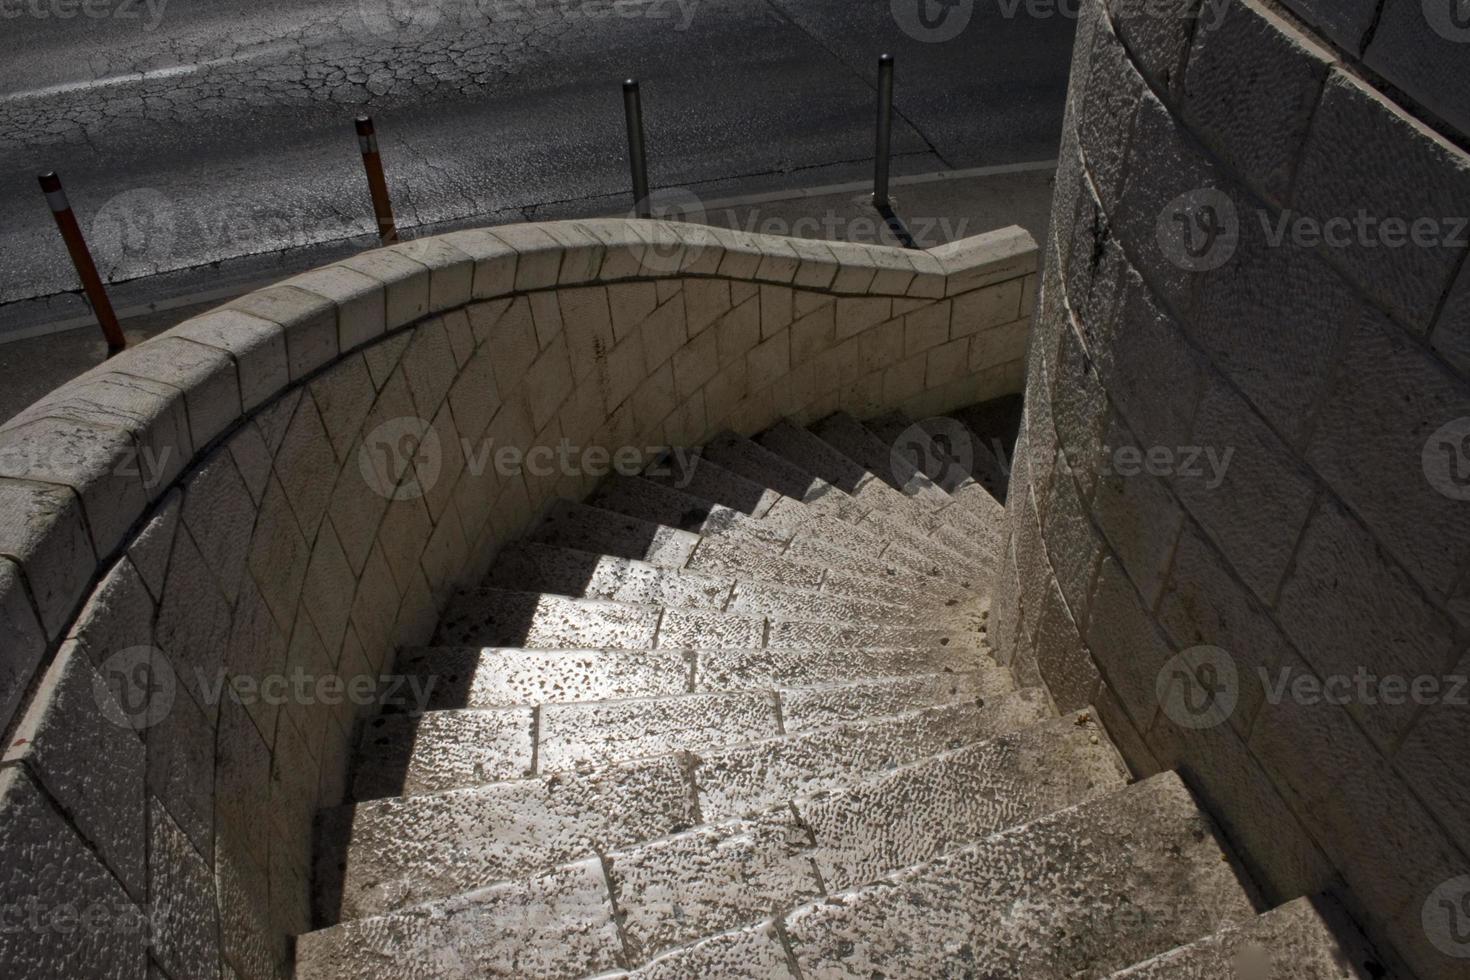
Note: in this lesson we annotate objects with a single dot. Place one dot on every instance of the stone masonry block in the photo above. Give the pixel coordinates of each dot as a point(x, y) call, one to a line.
point(1338, 785)
point(1239, 322)
point(1344, 21)
point(986, 308)
point(258, 347)
point(79, 741)
point(343, 396)
point(1422, 48)
point(1202, 604)
point(1114, 89)
point(1064, 661)
point(495, 261)
point(181, 900)
point(539, 265)
point(1367, 163)
point(220, 515)
point(1138, 515)
point(102, 466)
point(451, 272)
point(307, 466)
point(1079, 412)
point(1349, 608)
point(1130, 648)
point(581, 252)
point(1252, 83)
point(1431, 761)
point(1380, 445)
point(48, 868)
point(982, 260)
point(1073, 547)
point(205, 375)
point(1253, 501)
point(1157, 35)
point(22, 640)
point(43, 530)
point(405, 282)
point(309, 322)
point(361, 300)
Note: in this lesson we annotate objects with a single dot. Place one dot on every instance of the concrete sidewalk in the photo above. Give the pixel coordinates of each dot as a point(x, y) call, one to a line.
point(936, 208)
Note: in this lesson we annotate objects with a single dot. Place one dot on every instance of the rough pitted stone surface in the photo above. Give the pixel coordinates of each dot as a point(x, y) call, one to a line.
point(494, 617)
point(443, 750)
point(593, 529)
point(732, 781)
point(456, 677)
point(403, 852)
point(1083, 891)
point(805, 709)
point(755, 951)
point(923, 809)
point(582, 735)
point(1307, 939)
point(558, 924)
point(703, 882)
point(581, 574)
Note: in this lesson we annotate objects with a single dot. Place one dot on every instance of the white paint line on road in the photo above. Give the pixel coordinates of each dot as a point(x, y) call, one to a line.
point(219, 294)
point(176, 71)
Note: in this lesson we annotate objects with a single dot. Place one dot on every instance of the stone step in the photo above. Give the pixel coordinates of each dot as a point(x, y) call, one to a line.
point(490, 617)
point(944, 449)
point(924, 809)
point(1306, 939)
point(736, 780)
point(382, 855)
point(755, 952)
point(887, 513)
point(846, 434)
point(592, 529)
point(699, 476)
point(414, 754)
point(852, 439)
point(552, 926)
point(534, 566)
point(650, 501)
point(737, 873)
point(720, 670)
point(895, 512)
point(1079, 893)
point(449, 678)
point(583, 575)
point(727, 875)
point(662, 504)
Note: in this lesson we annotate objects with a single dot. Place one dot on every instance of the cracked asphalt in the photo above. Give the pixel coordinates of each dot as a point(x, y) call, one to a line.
point(193, 133)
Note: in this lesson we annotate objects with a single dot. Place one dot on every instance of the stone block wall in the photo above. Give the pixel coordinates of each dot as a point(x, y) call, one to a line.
point(211, 545)
point(1245, 466)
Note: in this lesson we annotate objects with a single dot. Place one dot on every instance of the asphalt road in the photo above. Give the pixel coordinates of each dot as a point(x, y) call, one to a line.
point(191, 133)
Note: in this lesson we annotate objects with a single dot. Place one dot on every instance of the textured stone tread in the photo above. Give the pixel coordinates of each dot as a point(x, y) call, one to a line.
point(1078, 893)
point(1306, 939)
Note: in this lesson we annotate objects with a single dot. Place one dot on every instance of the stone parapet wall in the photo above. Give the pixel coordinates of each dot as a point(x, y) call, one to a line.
point(1245, 454)
point(272, 497)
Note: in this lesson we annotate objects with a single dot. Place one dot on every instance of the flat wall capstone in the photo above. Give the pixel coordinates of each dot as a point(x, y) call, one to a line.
point(1237, 482)
point(212, 544)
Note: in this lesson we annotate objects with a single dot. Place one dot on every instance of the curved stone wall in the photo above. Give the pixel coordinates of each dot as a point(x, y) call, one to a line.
point(1244, 463)
point(211, 545)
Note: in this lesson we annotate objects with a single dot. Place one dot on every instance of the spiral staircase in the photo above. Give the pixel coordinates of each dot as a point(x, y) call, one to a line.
point(735, 716)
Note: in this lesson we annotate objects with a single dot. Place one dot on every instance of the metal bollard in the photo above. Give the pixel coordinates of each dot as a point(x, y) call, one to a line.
point(637, 151)
point(81, 257)
point(882, 153)
point(367, 139)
